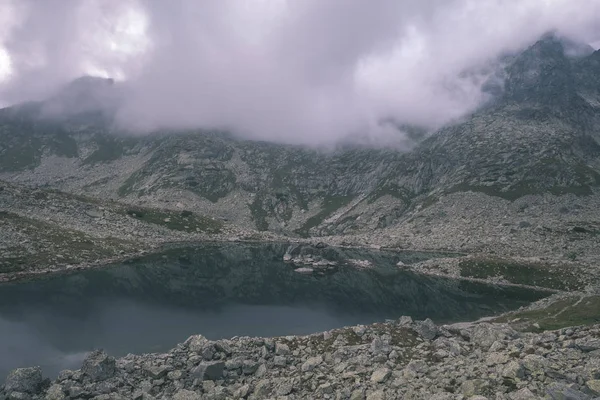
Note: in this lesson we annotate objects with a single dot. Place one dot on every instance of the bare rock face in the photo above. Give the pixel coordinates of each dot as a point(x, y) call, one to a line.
point(98, 366)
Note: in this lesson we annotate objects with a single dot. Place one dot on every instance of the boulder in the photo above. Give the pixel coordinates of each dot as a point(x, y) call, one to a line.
point(55, 392)
point(560, 391)
point(380, 375)
point(311, 363)
point(98, 366)
point(196, 343)
point(24, 380)
point(208, 370)
point(426, 329)
point(484, 335)
point(186, 395)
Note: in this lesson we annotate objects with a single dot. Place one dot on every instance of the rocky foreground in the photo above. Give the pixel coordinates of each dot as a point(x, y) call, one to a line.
point(393, 360)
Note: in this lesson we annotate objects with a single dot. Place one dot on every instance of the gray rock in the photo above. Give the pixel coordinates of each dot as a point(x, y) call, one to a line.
point(262, 389)
point(484, 335)
point(196, 343)
point(19, 396)
point(513, 370)
point(380, 375)
point(25, 380)
point(560, 391)
point(426, 329)
point(184, 394)
point(242, 392)
point(523, 394)
point(249, 367)
point(284, 387)
point(282, 349)
point(98, 366)
point(94, 213)
point(311, 363)
point(594, 385)
point(474, 387)
point(65, 375)
point(376, 395)
point(156, 371)
point(208, 370)
point(55, 392)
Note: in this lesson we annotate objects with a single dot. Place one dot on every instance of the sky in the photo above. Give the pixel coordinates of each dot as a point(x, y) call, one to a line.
point(294, 71)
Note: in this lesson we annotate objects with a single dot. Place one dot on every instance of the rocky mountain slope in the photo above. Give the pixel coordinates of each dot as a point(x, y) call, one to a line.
point(519, 177)
point(541, 135)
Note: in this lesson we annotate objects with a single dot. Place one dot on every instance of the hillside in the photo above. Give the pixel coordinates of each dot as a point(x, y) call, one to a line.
point(519, 177)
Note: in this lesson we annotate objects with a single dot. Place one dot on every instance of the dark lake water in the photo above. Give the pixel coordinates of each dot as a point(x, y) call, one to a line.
point(152, 303)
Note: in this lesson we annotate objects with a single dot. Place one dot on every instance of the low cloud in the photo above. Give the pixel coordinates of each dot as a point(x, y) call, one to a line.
point(307, 71)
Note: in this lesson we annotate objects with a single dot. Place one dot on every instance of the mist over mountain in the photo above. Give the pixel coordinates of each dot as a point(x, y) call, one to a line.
point(538, 134)
point(293, 72)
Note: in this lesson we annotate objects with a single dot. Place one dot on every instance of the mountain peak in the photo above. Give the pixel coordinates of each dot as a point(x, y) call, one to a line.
point(541, 74)
point(84, 95)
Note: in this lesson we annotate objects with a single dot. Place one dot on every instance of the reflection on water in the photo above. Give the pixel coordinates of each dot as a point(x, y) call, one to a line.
point(151, 304)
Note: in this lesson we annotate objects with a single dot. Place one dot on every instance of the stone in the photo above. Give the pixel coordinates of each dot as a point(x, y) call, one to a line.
point(279, 361)
point(76, 391)
point(212, 370)
point(380, 375)
point(284, 388)
point(249, 367)
point(376, 395)
point(496, 358)
point(242, 392)
point(25, 380)
point(473, 387)
point(359, 330)
point(484, 335)
point(594, 385)
point(156, 371)
point(55, 392)
point(262, 389)
point(311, 363)
point(325, 388)
point(523, 394)
point(426, 329)
point(65, 375)
point(19, 396)
point(357, 394)
point(560, 391)
point(175, 375)
point(196, 343)
point(94, 213)
point(378, 346)
point(282, 349)
point(98, 366)
point(535, 364)
point(513, 370)
point(184, 394)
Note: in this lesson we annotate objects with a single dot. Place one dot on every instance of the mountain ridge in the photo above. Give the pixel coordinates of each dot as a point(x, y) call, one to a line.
point(529, 141)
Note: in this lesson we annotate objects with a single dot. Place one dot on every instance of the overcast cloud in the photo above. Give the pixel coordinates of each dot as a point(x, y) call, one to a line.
point(302, 71)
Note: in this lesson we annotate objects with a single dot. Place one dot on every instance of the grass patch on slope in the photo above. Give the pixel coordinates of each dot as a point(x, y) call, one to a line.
point(571, 311)
point(185, 221)
point(45, 244)
point(329, 206)
point(558, 278)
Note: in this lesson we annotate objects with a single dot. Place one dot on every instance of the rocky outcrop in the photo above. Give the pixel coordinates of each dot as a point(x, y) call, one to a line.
point(392, 360)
